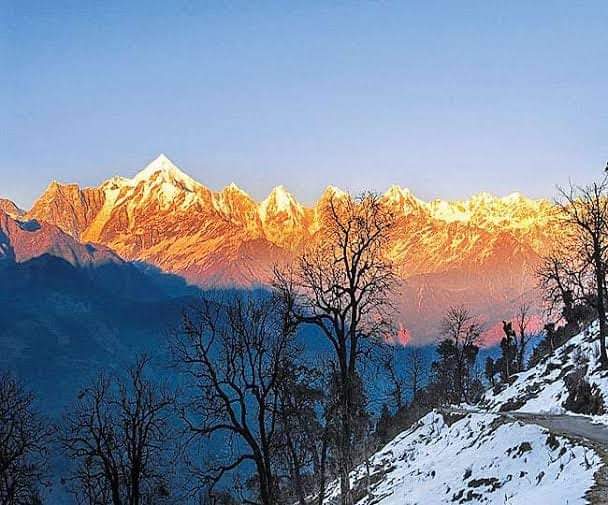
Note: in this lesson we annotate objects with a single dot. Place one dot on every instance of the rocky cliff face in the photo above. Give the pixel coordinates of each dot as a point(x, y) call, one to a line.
point(10, 208)
point(21, 241)
point(480, 251)
point(68, 206)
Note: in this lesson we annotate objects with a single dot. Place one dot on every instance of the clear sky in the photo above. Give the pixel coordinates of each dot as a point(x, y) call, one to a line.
point(446, 98)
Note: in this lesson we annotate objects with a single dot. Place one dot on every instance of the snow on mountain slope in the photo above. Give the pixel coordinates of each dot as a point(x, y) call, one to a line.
point(480, 459)
point(542, 388)
point(485, 456)
point(480, 252)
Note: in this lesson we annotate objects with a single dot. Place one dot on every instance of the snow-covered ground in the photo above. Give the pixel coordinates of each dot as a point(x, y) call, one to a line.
point(542, 388)
point(487, 458)
point(478, 459)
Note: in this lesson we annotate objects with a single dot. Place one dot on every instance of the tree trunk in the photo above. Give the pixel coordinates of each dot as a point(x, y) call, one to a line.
point(522, 352)
point(295, 471)
point(116, 493)
point(266, 491)
point(324, 447)
point(345, 456)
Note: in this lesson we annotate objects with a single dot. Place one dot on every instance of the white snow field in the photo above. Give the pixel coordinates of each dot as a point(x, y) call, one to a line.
point(541, 389)
point(490, 458)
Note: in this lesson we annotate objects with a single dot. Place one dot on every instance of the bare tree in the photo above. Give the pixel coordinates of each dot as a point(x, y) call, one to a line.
point(523, 319)
point(408, 377)
point(458, 352)
point(507, 363)
point(342, 284)
point(304, 435)
point(24, 436)
point(585, 210)
point(397, 381)
point(490, 371)
point(237, 354)
point(558, 278)
point(117, 435)
point(415, 370)
point(564, 278)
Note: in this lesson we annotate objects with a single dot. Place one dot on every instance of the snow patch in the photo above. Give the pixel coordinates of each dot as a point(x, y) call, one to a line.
point(479, 459)
point(542, 388)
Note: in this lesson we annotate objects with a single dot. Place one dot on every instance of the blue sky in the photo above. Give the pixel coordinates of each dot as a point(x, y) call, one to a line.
point(446, 98)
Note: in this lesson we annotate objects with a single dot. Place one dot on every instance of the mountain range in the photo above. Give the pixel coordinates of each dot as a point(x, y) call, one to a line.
point(481, 252)
point(68, 309)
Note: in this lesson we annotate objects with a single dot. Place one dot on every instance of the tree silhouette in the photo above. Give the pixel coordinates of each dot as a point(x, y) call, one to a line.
point(24, 438)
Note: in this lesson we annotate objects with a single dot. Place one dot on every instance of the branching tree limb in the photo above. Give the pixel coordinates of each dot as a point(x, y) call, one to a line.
point(24, 437)
point(343, 284)
point(117, 435)
point(237, 354)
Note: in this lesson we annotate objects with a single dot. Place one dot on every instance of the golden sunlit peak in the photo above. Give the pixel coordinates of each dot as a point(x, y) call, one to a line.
point(396, 192)
point(403, 197)
point(335, 191)
point(168, 170)
point(234, 188)
point(280, 197)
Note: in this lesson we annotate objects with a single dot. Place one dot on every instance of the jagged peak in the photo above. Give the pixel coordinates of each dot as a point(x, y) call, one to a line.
point(54, 185)
point(10, 208)
point(396, 189)
point(231, 195)
point(116, 182)
point(515, 196)
point(487, 197)
point(404, 198)
point(233, 188)
point(333, 191)
point(58, 186)
point(167, 169)
point(484, 196)
point(281, 197)
point(279, 200)
point(396, 193)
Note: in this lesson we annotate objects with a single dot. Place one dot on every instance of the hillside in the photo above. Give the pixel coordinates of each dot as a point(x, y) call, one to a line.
point(477, 456)
point(60, 324)
point(69, 309)
point(480, 252)
point(542, 388)
point(23, 240)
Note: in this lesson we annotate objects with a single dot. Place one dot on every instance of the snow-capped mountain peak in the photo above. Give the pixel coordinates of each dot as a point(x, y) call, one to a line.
point(164, 169)
point(233, 188)
point(403, 199)
point(232, 201)
point(279, 201)
point(396, 191)
point(335, 191)
point(164, 217)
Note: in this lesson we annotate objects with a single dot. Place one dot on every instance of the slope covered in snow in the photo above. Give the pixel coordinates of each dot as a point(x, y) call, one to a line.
point(488, 457)
point(542, 389)
point(479, 459)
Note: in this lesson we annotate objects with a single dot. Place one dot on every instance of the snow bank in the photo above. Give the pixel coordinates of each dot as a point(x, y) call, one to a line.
point(479, 459)
point(542, 389)
point(487, 458)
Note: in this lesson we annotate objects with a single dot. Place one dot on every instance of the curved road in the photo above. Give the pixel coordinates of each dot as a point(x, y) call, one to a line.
point(560, 424)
